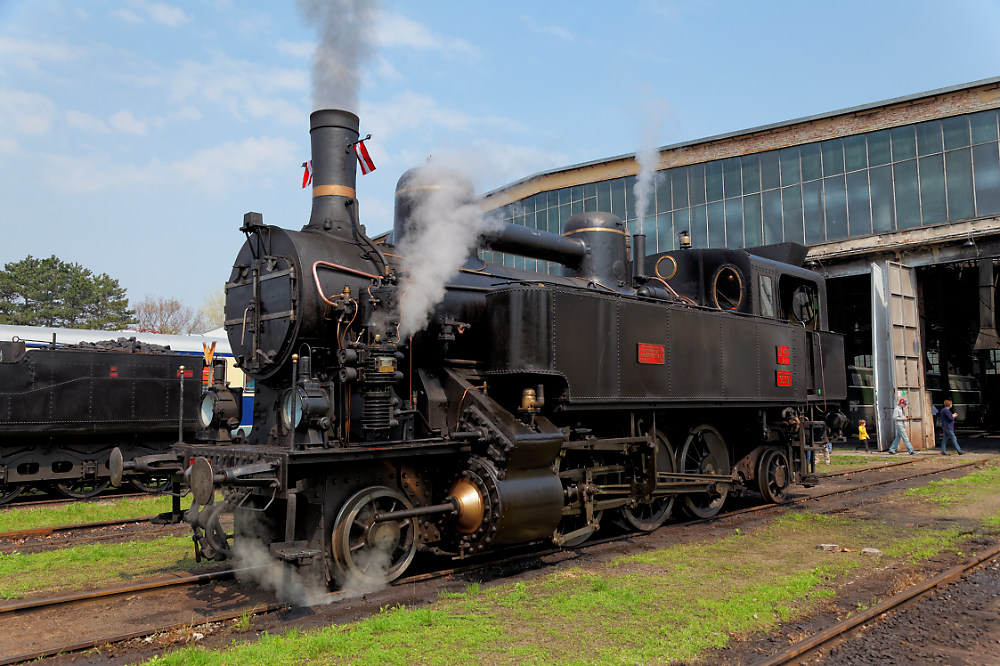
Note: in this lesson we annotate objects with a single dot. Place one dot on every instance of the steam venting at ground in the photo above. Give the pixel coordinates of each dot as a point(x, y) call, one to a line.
point(280, 577)
point(346, 31)
point(445, 227)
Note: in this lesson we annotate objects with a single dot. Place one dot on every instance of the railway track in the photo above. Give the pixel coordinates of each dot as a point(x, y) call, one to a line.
point(851, 624)
point(467, 569)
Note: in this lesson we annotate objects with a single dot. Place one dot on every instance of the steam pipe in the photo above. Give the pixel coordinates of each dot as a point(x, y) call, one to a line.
point(638, 256)
point(520, 240)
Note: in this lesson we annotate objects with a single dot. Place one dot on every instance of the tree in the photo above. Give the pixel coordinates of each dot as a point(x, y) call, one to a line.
point(51, 292)
point(213, 309)
point(168, 316)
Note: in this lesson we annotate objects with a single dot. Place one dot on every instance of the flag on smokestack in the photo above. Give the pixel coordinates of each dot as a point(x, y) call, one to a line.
point(364, 159)
point(307, 176)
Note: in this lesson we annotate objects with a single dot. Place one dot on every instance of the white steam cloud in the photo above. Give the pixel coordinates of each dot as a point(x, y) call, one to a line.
point(346, 31)
point(648, 158)
point(443, 231)
point(277, 576)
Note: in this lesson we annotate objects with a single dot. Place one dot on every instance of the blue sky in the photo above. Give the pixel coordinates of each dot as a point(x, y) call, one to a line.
point(134, 134)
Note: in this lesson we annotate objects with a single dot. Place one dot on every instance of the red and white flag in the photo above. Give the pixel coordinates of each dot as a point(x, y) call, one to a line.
point(364, 159)
point(307, 176)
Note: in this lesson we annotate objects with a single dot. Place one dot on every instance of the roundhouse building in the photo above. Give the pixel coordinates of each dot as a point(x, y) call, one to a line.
point(898, 202)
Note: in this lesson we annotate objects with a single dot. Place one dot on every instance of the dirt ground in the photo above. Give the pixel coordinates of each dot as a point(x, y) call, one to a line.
point(960, 625)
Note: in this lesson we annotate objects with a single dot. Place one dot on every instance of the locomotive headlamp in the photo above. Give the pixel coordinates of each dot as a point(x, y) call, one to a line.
point(219, 407)
point(303, 405)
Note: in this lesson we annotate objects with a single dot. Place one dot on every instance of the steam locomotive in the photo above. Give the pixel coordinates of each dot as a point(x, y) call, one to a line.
point(530, 407)
point(64, 407)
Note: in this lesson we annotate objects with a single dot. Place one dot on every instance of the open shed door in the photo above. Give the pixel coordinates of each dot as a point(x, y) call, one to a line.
point(898, 353)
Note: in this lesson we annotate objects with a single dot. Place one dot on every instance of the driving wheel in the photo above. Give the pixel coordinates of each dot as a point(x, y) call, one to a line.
point(704, 452)
point(373, 552)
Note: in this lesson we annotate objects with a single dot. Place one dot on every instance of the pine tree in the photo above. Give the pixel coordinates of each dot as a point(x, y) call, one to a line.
point(51, 292)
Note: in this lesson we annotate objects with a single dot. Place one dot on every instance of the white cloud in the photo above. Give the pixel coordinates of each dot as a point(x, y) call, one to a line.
point(213, 168)
point(209, 170)
point(244, 89)
point(395, 30)
point(29, 54)
point(548, 30)
point(26, 113)
point(303, 49)
point(124, 122)
point(86, 122)
point(139, 11)
point(422, 115)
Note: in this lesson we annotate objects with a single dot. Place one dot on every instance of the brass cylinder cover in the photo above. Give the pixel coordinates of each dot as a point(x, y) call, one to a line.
point(470, 506)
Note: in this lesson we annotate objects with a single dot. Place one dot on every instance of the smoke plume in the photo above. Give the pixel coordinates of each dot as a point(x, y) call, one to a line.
point(445, 228)
point(279, 577)
point(346, 32)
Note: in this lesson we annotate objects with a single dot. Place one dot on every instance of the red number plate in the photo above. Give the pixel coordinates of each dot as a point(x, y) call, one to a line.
point(652, 354)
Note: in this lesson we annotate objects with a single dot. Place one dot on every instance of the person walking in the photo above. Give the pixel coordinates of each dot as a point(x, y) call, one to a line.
point(863, 434)
point(948, 429)
point(900, 418)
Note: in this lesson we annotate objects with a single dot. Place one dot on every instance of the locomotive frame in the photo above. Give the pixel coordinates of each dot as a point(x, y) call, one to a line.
point(532, 407)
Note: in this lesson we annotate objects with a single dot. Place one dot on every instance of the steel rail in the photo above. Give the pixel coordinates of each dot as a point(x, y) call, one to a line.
point(533, 554)
point(142, 633)
point(830, 633)
point(115, 591)
point(45, 531)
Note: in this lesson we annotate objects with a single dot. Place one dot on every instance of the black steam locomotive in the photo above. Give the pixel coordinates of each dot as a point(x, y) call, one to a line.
point(64, 408)
point(531, 407)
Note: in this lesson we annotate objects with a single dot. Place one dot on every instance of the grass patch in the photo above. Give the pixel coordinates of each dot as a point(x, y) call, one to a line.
point(966, 489)
point(120, 508)
point(674, 604)
point(91, 566)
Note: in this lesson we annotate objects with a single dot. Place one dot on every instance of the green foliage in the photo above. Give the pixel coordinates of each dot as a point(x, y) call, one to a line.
point(51, 292)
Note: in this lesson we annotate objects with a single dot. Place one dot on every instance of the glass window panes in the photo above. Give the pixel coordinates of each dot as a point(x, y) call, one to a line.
point(956, 132)
point(859, 213)
point(770, 176)
point(984, 126)
point(734, 223)
point(958, 173)
point(752, 231)
point(716, 224)
point(790, 173)
point(663, 200)
point(679, 187)
point(663, 233)
point(907, 193)
point(731, 177)
point(883, 198)
point(699, 226)
point(791, 206)
point(812, 161)
point(929, 138)
point(696, 184)
point(855, 153)
point(682, 222)
point(924, 173)
point(835, 207)
point(879, 148)
point(713, 180)
point(833, 157)
point(766, 288)
point(812, 211)
point(750, 165)
point(771, 204)
point(986, 174)
point(904, 143)
point(932, 194)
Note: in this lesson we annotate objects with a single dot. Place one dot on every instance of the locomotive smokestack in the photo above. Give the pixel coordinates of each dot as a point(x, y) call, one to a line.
point(333, 133)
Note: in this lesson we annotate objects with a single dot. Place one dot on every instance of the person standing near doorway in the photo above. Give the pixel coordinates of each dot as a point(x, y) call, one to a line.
point(900, 418)
point(948, 429)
